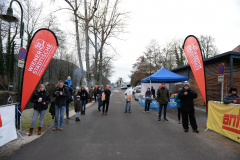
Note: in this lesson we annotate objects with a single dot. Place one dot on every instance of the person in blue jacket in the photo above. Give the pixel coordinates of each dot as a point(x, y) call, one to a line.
point(178, 106)
point(148, 100)
point(69, 81)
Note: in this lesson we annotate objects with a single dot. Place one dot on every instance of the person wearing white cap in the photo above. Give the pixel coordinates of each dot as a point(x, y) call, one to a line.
point(69, 81)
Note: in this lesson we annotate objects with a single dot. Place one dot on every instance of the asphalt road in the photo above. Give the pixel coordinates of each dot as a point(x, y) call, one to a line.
point(122, 136)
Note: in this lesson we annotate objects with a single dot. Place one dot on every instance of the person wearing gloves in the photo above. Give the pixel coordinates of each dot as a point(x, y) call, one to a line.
point(41, 99)
point(178, 106)
point(163, 99)
point(231, 96)
point(69, 81)
point(128, 97)
point(148, 100)
point(78, 107)
point(187, 107)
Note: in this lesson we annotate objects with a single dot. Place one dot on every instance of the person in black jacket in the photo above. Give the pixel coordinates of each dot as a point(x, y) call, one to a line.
point(41, 99)
point(187, 107)
point(84, 95)
point(99, 95)
point(68, 99)
point(107, 94)
point(153, 92)
point(61, 93)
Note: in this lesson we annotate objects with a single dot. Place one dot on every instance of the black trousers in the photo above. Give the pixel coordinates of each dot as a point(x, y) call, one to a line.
point(95, 97)
point(160, 110)
point(147, 106)
point(105, 103)
point(191, 116)
point(179, 113)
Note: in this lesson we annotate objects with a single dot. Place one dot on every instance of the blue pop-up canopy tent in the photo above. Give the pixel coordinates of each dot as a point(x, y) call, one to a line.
point(164, 75)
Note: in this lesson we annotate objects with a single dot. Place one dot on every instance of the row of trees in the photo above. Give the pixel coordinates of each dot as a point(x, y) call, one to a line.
point(96, 23)
point(10, 43)
point(170, 56)
point(100, 21)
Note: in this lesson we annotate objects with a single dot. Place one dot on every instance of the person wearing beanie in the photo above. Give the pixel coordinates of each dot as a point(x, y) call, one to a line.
point(95, 92)
point(78, 107)
point(69, 81)
point(128, 97)
point(178, 106)
point(163, 99)
point(68, 99)
point(186, 95)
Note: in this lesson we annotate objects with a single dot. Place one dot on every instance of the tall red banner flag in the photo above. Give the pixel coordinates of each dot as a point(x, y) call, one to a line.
point(194, 56)
point(40, 52)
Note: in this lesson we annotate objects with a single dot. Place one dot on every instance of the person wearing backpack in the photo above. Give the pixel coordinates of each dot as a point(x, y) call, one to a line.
point(128, 97)
point(41, 99)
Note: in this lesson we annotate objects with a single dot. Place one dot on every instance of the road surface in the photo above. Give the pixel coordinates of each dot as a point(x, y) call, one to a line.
point(122, 136)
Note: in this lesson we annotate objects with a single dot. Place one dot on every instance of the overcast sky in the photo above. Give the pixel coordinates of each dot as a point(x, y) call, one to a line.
point(164, 20)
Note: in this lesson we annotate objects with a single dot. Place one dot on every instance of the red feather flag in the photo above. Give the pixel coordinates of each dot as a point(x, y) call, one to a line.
point(193, 53)
point(40, 52)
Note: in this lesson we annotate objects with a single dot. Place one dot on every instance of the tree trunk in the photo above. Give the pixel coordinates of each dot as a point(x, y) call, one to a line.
point(96, 59)
point(78, 43)
point(87, 45)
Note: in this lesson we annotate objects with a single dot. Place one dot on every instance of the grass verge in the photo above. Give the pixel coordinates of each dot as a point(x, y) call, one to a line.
point(47, 122)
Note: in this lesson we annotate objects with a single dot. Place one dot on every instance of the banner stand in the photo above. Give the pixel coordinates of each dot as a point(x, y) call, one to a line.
point(17, 118)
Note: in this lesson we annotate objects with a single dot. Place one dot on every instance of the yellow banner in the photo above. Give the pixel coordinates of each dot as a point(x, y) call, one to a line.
point(224, 119)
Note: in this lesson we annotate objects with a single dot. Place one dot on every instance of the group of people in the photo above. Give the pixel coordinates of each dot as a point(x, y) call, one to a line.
point(63, 97)
point(184, 100)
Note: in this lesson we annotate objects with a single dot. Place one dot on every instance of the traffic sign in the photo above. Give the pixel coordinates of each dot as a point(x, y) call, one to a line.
point(22, 54)
point(221, 78)
point(21, 63)
point(221, 69)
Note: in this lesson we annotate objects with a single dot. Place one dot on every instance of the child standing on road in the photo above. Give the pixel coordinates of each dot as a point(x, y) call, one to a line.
point(78, 107)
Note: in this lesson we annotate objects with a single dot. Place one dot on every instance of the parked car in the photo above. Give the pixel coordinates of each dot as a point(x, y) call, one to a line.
point(138, 93)
point(124, 87)
point(135, 88)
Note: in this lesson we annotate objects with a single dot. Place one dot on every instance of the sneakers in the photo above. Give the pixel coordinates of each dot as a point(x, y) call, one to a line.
point(186, 130)
point(125, 111)
point(77, 119)
point(157, 114)
point(147, 111)
point(165, 119)
point(54, 128)
point(102, 113)
point(106, 113)
point(129, 111)
point(144, 111)
point(61, 128)
point(195, 130)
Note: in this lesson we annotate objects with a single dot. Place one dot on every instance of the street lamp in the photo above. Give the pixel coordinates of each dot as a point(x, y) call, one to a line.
point(10, 18)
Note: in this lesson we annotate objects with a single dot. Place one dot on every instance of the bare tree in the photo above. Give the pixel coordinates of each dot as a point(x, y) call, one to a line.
point(32, 13)
point(207, 46)
point(109, 22)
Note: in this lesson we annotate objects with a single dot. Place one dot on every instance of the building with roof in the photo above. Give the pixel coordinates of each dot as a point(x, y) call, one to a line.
point(231, 61)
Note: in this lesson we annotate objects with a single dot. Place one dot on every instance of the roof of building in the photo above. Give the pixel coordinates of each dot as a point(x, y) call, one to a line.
point(214, 58)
